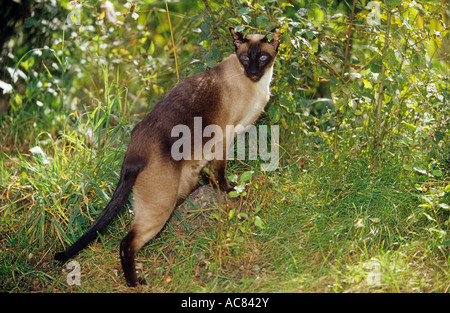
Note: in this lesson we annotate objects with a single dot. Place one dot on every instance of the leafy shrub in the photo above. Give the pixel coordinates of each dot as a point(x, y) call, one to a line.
point(360, 84)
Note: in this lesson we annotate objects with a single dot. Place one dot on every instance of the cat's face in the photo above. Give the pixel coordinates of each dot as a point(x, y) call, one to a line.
point(255, 52)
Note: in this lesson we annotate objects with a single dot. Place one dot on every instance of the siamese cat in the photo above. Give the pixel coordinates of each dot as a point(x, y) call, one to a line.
point(234, 92)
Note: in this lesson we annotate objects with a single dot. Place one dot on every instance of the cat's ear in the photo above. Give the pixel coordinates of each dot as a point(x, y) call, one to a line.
point(238, 38)
point(275, 41)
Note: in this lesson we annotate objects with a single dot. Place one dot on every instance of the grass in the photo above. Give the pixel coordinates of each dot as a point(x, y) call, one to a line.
point(326, 228)
point(314, 225)
point(329, 235)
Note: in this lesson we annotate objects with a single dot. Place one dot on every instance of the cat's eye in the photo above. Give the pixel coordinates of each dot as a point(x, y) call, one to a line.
point(263, 58)
point(244, 58)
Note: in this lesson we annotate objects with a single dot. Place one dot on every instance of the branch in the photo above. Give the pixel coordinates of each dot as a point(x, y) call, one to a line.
point(349, 37)
point(378, 132)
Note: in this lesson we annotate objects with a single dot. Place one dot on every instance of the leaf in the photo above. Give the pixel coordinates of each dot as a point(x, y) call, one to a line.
point(231, 214)
point(232, 178)
point(259, 222)
point(306, 42)
point(437, 173)
point(301, 12)
point(408, 167)
point(211, 63)
point(246, 176)
point(409, 126)
point(315, 45)
point(151, 49)
point(239, 28)
point(262, 21)
point(439, 136)
point(243, 11)
point(240, 188)
point(285, 4)
point(30, 22)
point(242, 215)
point(232, 19)
point(207, 171)
point(429, 217)
point(367, 84)
point(246, 18)
point(288, 103)
point(444, 206)
point(420, 170)
point(316, 16)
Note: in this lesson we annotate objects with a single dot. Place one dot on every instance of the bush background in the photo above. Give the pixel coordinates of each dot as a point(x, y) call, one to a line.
point(360, 91)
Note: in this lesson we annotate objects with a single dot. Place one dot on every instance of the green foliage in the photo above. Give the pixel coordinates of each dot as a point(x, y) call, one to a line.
point(61, 175)
point(386, 81)
point(361, 94)
point(240, 185)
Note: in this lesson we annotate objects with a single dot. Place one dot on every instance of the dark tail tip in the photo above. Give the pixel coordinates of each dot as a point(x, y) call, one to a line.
point(61, 256)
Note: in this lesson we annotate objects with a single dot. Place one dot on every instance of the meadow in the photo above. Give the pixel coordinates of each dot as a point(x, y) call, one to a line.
point(360, 201)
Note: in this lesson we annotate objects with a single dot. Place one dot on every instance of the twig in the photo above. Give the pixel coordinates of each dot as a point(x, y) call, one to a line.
point(344, 70)
point(379, 132)
point(173, 41)
point(349, 37)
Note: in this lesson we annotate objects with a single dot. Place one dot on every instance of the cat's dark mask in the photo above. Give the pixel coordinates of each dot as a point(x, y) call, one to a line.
point(255, 52)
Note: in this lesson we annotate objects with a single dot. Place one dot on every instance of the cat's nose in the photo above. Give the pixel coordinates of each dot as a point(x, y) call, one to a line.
point(253, 71)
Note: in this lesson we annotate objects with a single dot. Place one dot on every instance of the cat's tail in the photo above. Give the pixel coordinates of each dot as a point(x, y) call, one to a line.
point(127, 179)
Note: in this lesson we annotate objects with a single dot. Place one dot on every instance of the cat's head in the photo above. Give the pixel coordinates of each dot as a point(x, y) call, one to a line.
point(255, 52)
